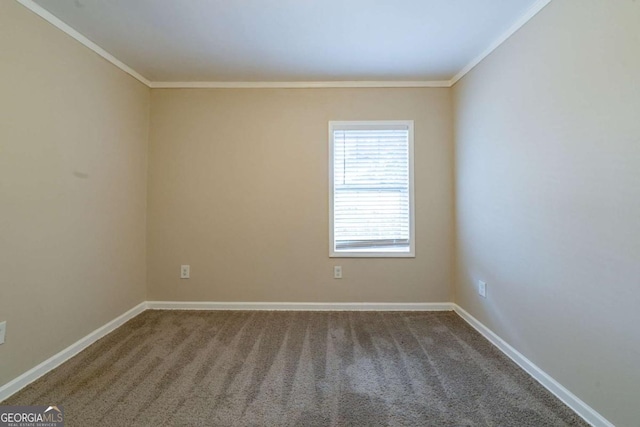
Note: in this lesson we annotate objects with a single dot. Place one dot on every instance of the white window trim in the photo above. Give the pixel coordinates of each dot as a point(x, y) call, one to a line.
point(367, 124)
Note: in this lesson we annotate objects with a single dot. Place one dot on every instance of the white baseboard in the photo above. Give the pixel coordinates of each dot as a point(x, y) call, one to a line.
point(299, 306)
point(54, 361)
point(569, 399)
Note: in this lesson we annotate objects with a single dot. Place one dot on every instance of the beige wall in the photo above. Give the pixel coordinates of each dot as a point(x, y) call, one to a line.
point(238, 189)
point(547, 192)
point(548, 197)
point(73, 141)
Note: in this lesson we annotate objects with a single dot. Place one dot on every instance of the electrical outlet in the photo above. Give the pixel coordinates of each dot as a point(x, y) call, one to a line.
point(3, 330)
point(185, 271)
point(482, 289)
point(337, 272)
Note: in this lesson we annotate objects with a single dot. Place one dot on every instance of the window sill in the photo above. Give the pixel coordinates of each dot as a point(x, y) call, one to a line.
point(372, 255)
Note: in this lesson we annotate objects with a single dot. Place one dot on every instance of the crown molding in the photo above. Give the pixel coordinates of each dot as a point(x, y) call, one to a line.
point(530, 13)
point(48, 16)
point(299, 85)
point(56, 22)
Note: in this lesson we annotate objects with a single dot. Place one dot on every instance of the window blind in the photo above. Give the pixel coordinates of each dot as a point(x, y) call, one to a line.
point(371, 189)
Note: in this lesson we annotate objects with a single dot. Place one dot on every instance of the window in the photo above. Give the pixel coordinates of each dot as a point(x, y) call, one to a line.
point(371, 189)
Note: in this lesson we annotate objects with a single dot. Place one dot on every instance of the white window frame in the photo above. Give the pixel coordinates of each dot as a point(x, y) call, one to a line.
point(371, 124)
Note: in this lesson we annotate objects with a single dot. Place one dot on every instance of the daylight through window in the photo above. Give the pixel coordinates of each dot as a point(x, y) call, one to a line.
point(371, 189)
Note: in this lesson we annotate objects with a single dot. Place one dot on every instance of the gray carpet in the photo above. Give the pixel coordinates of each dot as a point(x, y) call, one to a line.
point(233, 368)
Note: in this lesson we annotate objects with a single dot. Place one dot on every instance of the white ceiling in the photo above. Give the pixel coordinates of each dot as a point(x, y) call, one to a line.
point(292, 40)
